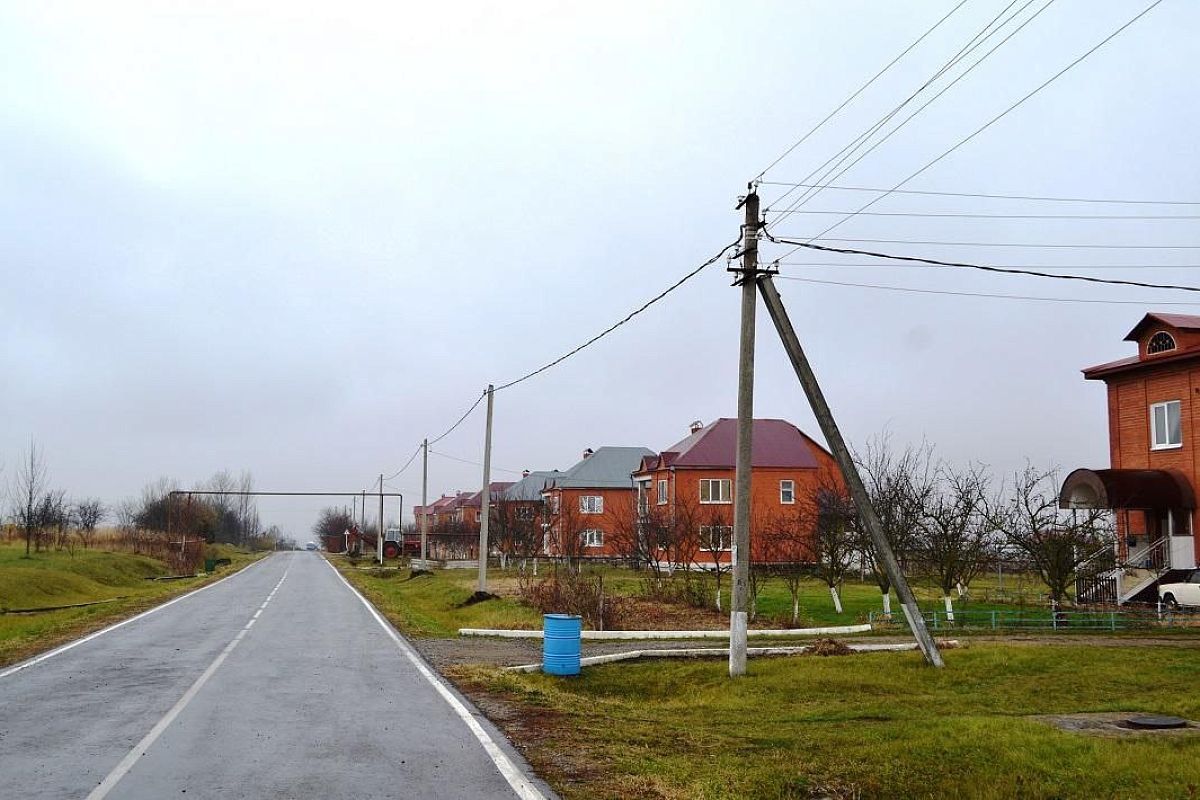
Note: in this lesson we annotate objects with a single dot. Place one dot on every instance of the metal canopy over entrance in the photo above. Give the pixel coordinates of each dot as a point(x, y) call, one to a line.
point(1126, 489)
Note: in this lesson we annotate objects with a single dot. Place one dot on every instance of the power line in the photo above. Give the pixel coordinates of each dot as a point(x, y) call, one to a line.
point(987, 268)
point(1113, 201)
point(911, 290)
point(619, 323)
point(461, 419)
point(877, 265)
point(842, 170)
point(406, 464)
point(972, 215)
point(998, 117)
point(474, 463)
point(1080, 246)
point(859, 91)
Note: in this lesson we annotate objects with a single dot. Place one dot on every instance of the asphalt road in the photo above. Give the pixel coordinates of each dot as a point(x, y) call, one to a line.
point(278, 682)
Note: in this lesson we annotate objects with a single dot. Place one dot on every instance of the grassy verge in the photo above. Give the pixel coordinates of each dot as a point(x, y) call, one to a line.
point(58, 578)
point(879, 725)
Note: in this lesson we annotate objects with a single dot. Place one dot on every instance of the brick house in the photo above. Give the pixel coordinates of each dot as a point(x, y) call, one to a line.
point(1153, 411)
point(588, 503)
point(697, 474)
point(468, 509)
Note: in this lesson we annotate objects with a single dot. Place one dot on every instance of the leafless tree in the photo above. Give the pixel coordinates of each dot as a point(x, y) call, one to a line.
point(716, 541)
point(1054, 541)
point(26, 493)
point(787, 542)
point(89, 513)
point(514, 527)
point(835, 540)
point(958, 532)
point(332, 521)
point(900, 484)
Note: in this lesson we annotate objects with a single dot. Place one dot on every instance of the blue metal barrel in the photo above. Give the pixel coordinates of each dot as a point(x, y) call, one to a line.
point(561, 644)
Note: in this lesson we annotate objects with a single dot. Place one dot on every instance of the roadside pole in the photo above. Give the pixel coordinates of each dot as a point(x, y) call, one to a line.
point(748, 277)
point(379, 538)
point(424, 503)
point(841, 453)
point(485, 498)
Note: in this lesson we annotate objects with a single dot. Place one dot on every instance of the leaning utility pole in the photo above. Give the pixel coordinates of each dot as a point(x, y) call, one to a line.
point(485, 510)
point(747, 278)
point(424, 503)
point(845, 461)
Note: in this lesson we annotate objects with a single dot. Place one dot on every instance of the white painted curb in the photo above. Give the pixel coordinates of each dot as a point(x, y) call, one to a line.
point(717, 634)
point(712, 652)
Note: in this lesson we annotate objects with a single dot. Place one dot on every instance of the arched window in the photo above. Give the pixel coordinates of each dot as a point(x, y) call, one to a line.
point(1160, 343)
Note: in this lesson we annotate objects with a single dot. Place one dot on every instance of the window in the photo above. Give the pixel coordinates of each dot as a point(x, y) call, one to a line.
point(592, 538)
point(1160, 342)
point(716, 537)
point(662, 492)
point(716, 490)
point(591, 504)
point(524, 512)
point(1166, 427)
point(553, 504)
point(787, 492)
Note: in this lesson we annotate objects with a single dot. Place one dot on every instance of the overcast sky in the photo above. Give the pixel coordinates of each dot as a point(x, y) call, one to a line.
point(296, 238)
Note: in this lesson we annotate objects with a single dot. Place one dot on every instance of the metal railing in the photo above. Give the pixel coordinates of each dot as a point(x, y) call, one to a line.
point(1046, 620)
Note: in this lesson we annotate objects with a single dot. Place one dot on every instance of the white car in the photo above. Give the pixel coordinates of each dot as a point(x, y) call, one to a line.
point(1183, 593)
point(310, 546)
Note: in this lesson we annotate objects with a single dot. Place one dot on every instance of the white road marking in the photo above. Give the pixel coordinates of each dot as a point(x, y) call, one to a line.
point(139, 749)
point(70, 645)
point(511, 773)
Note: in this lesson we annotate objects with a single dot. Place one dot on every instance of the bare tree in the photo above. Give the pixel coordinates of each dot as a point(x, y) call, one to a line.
point(88, 514)
point(716, 540)
point(957, 532)
point(1054, 541)
point(900, 484)
point(834, 545)
point(787, 542)
point(28, 486)
point(332, 521)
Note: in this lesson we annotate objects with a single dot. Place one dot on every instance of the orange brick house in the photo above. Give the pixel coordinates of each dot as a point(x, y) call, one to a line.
point(590, 502)
point(697, 474)
point(1153, 417)
point(468, 510)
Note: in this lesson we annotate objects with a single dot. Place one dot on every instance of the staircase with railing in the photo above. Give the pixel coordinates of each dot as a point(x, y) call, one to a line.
point(1103, 579)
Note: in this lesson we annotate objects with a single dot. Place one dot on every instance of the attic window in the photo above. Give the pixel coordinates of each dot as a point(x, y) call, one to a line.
point(1160, 343)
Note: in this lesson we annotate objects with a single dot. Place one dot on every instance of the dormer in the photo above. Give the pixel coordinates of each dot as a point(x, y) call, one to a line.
point(1159, 335)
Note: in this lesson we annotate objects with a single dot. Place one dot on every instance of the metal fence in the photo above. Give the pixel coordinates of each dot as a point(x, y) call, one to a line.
point(1045, 620)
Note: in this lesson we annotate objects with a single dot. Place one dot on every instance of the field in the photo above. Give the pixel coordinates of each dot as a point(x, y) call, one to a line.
point(877, 725)
point(58, 578)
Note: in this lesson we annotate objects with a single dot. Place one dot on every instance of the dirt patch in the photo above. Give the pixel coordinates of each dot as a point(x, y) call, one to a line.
point(829, 647)
point(1110, 724)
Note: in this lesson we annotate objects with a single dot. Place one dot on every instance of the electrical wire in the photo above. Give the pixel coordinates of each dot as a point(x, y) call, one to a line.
point(1040, 198)
point(829, 177)
point(998, 117)
point(911, 290)
point(474, 463)
point(877, 265)
point(859, 91)
point(971, 215)
point(1080, 246)
point(623, 320)
point(461, 419)
point(406, 464)
point(986, 268)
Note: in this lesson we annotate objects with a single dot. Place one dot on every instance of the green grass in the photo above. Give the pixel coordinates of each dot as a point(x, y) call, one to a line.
point(58, 578)
point(877, 725)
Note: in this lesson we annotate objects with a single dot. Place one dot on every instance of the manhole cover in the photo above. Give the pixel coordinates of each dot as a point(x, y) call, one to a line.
point(1156, 723)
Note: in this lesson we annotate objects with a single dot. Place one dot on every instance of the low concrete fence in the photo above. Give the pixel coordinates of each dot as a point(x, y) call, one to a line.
point(835, 630)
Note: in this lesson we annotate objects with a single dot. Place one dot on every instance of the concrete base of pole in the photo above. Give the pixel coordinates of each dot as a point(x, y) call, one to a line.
point(738, 623)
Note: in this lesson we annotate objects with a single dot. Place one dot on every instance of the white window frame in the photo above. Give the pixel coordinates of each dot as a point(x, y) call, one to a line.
point(788, 486)
point(553, 498)
point(726, 540)
point(724, 491)
point(663, 491)
point(592, 537)
point(1166, 444)
point(591, 504)
point(525, 512)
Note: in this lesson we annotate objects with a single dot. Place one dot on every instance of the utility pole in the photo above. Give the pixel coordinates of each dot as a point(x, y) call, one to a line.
point(485, 511)
point(748, 278)
point(845, 461)
point(424, 503)
point(379, 538)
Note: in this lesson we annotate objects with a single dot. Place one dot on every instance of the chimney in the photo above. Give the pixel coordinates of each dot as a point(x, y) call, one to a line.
point(588, 454)
point(695, 426)
point(525, 473)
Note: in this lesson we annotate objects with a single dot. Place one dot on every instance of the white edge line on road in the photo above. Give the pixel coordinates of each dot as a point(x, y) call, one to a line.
point(510, 771)
point(139, 749)
point(69, 645)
